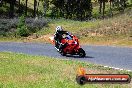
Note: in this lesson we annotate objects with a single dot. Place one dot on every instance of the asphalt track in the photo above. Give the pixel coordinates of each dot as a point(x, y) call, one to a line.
point(118, 57)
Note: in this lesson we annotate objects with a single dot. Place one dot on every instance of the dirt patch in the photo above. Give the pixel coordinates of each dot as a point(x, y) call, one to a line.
point(36, 38)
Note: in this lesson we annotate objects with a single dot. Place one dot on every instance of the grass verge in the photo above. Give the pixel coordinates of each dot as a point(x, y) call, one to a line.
point(95, 40)
point(10, 39)
point(26, 71)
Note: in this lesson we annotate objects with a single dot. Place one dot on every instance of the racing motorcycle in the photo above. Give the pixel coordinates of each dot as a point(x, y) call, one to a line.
point(70, 46)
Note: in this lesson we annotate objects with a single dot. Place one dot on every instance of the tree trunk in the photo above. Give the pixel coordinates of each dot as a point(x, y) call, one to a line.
point(111, 13)
point(103, 8)
point(100, 7)
point(19, 3)
point(35, 4)
point(12, 4)
point(26, 8)
point(37, 7)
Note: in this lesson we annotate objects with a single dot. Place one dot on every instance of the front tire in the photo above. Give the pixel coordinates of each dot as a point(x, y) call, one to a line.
point(63, 53)
point(82, 53)
point(81, 80)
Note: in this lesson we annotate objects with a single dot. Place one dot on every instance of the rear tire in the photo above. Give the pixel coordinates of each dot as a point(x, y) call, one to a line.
point(82, 53)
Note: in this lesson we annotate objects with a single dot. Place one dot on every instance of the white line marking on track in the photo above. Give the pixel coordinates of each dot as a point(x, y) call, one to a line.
point(117, 68)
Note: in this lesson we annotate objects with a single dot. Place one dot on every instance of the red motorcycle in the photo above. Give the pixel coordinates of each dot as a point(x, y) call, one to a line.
point(70, 46)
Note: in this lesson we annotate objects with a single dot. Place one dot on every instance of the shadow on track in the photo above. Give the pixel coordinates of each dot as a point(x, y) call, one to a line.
point(76, 56)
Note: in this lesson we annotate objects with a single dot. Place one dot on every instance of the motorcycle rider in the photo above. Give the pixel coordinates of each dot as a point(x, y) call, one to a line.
point(58, 36)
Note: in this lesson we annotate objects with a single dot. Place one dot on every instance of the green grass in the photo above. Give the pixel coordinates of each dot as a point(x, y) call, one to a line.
point(96, 40)
point(26, 71)
point(108, 30)
point(69, 25)
point(10, 39)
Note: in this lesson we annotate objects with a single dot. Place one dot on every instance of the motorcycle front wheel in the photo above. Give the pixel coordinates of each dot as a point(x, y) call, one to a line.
point(63, 53)
point(82, 52)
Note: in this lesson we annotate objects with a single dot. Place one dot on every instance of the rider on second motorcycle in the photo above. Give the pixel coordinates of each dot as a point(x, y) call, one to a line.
point(58, 36)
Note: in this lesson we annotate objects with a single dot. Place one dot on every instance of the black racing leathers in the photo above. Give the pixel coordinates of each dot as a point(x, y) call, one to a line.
point(58, 37)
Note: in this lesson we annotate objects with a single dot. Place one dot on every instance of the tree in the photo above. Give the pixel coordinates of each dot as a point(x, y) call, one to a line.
point(35, 4)
point(19, 6)
point(72, 9)
point(37, 8)
point(12, 4)
point(26, 7)
point(120, 4)
point(111, 2)
point(102, 7)
point(45, 6)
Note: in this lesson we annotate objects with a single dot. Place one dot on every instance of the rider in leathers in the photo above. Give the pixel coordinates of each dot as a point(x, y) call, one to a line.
point(58, 37)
